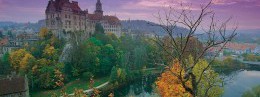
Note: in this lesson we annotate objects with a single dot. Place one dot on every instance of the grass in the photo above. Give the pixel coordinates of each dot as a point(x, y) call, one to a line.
point(70, 87)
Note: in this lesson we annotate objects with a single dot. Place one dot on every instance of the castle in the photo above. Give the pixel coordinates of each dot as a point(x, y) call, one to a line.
point(64, 16)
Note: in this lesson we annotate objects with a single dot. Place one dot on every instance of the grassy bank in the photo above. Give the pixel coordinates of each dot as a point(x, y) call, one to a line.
point(70, 87)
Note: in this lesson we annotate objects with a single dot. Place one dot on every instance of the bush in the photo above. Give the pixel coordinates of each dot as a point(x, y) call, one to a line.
point(86, 76)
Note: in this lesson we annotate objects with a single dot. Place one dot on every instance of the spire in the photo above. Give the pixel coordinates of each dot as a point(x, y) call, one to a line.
point(98, 1)
point(99, 8)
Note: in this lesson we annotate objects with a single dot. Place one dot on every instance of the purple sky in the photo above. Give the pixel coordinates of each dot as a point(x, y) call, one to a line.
point(245, 12)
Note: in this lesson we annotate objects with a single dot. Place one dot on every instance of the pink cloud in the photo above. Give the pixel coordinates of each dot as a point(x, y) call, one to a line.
point(231, 2)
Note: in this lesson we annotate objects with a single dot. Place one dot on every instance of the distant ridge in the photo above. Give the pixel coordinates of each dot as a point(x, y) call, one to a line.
point(142, 26)
point(13, 25)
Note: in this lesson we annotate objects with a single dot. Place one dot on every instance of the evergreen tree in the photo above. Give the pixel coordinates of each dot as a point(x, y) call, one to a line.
point(99, 29)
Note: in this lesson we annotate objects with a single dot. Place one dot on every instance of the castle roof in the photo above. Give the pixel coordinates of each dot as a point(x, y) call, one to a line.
point(12, 85)
point(95, 17)
point(57, 5)
point(112, 20)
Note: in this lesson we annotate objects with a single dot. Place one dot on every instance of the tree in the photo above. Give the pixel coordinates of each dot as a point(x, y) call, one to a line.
point(48, 73)
point(113, 75)
point(170, 85)
point(140, 57)
point(43, 33)
point(118, 75)
point(5, 64)
point(99, 29)
point(108, 58)
point(1, 34)
point(176, 47)
point(19, 60)
point(254, 92)
point(211, 84)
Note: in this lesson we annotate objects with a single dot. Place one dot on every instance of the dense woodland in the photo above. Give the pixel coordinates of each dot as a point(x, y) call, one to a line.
point(98, 56)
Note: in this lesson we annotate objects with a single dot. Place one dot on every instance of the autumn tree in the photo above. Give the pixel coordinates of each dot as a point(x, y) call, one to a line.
point(179, 45)
point(43, 32)
point(20, 59)
point(171, 85)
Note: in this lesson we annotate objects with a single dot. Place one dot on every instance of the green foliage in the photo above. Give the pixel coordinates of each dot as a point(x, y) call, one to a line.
point(5, 66)
point(226, 53)
point(118, 75)
point(1, 35)
point(40, 62)
point(251, 57)
point(99, 29)
point(254, 92)
point(140, 55)
point(227, 66)
point(86, 76)
point(211, 84)
point(113, 75)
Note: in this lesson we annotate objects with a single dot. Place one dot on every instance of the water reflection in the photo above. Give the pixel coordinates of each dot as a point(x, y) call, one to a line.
point(241, 81)
point(140, 88)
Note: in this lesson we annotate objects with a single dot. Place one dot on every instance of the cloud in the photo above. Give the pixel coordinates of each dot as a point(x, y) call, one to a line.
point(231, 2)
point(222, 2)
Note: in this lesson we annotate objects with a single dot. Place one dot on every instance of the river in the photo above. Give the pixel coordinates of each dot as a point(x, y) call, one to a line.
point(239, 82)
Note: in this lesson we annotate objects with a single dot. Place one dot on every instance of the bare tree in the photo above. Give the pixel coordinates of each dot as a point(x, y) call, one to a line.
point(178, 44)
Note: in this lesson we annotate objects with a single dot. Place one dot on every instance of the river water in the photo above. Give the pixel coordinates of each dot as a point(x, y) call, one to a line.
point(238, 83)
point(241, 81)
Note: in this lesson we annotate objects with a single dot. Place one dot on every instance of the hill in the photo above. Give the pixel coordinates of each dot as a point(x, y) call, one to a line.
point(142, 26)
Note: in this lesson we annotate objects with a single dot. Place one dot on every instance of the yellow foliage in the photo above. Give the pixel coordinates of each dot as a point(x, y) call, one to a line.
point(170, 85)
point(19, 59)
point(49, 50)
point(170, 82)
point(43, 32)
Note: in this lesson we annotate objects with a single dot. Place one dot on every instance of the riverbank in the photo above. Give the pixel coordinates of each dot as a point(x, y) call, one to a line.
point(101, 83)
point(69, 87)
point(110, 88)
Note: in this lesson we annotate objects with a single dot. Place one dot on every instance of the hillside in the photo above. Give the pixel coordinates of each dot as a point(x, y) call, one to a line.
point(143, 26)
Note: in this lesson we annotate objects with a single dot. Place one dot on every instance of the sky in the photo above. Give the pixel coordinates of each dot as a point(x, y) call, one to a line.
point(245, 12)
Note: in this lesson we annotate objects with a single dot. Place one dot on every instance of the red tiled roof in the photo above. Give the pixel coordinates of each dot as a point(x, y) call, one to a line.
point(14, 85)
point(214, 49)
point(95, 17)
point(240, 46)
point(113, 20)
point(4, 41)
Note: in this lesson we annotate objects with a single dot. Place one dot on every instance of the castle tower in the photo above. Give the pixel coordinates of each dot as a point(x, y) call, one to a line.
point(99, 10)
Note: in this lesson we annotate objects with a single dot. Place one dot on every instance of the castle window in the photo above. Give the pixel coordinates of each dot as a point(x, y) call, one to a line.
point(66, 16)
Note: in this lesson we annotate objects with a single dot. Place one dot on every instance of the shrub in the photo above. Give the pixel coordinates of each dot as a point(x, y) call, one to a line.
point(86, 76)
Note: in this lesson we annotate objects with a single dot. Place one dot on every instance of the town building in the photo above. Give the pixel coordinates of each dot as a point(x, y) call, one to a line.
point(64, 16)
point(14, 86)
point(8, 44)
point(240, 48)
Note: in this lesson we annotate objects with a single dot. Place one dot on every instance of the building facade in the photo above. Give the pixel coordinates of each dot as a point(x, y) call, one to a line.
point(63, 16)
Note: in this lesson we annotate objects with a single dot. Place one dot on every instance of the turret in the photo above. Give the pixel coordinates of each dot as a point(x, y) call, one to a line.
point(99, 10)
